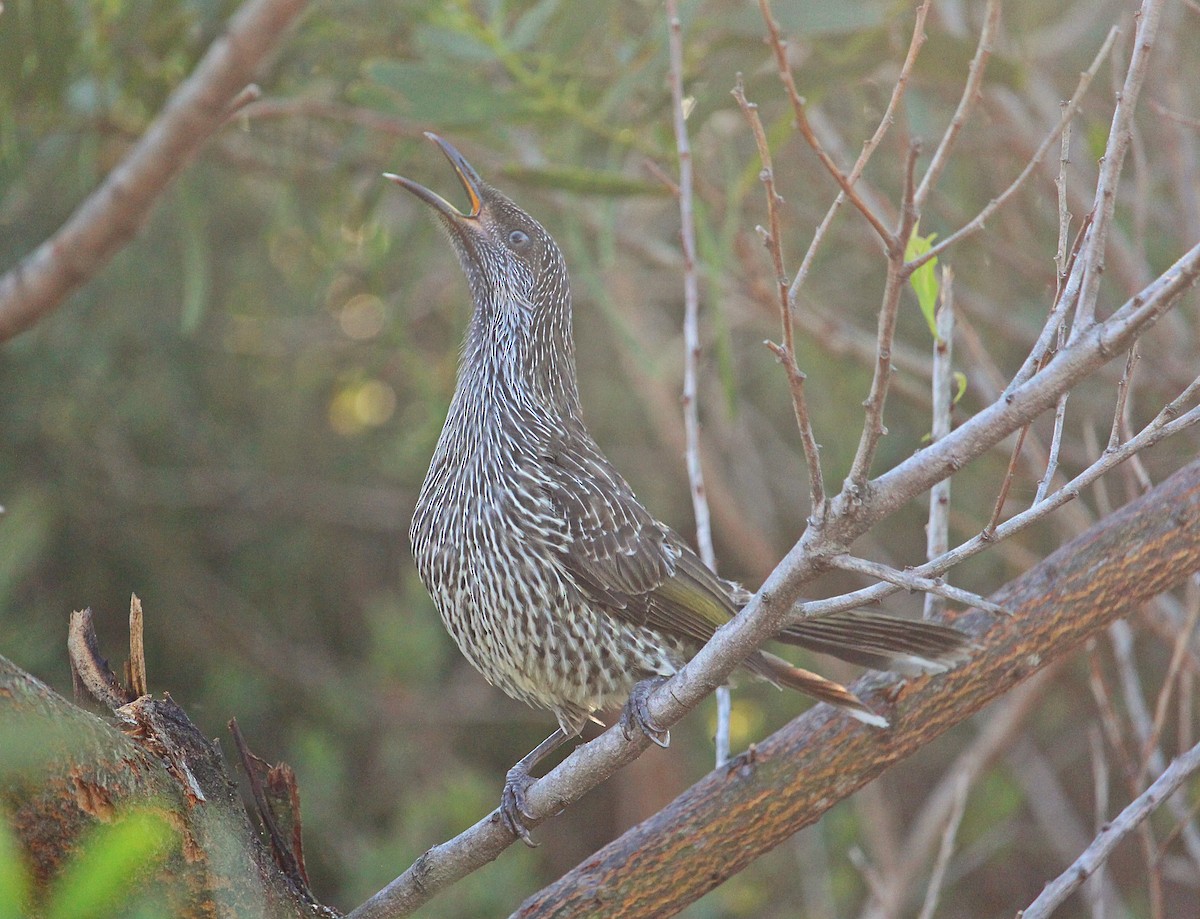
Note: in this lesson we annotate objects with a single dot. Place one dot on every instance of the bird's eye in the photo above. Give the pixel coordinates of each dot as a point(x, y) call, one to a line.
point(518, 239)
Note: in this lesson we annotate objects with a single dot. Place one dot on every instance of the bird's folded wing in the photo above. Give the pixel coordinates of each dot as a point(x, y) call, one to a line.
point(623, 558)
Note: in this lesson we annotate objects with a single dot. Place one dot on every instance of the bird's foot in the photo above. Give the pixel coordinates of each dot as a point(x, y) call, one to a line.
point(637, 713)
point(512, 803)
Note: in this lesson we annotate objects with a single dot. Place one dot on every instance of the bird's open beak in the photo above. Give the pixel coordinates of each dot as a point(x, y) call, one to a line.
point(471, 183)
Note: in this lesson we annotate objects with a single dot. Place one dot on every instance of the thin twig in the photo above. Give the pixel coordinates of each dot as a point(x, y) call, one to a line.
point(983, 51)
point(691, 338)
point(799, 110)
point(910, 581)
point(1114, 435)
point(977, 223)
point(1056, 434)
point(1178, 653)
point(1093, 889)
point(1114, 157)
point(785, 352)
point(873, 428)
point(937, 530)
point(1102, 846)
point(864, 156)
point(1058, 317)
point(1057, 311)
point(1184, 120)
point(946, 850)
point(1064, 211)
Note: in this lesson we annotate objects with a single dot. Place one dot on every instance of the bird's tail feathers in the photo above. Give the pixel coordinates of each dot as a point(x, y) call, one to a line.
point(908, 646)
point(781, 673)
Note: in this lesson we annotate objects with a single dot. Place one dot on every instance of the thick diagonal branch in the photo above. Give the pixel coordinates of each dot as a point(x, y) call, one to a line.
point(112, 214)
point(762, 797)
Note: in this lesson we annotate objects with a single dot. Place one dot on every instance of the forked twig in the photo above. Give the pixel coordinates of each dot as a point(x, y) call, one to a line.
point(786, 351)
point(897, 274)
point(1101, 847)
point(868, 148)
point(977, 222)
point(908, 580)
point(1119, 135)
point(983, 51)
point(799, 110)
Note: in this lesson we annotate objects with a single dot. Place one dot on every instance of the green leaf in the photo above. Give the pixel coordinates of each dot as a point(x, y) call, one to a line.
point(924, 280)
point(585, 181)
point(530, 26)
point(196, 259)
point(436, 94)
point(14, 876)
point(960, 382)
point(112, 864)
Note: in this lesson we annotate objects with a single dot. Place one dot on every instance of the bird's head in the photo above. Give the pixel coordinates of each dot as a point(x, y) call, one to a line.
point(509, 258)
point(520, 331)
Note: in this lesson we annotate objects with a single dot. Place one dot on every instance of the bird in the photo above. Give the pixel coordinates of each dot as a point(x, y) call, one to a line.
point(552, 578)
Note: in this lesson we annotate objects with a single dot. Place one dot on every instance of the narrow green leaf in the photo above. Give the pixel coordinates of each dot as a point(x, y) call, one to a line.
point(111, 865)
point(960, 382)
point(585, 181)
point(195, 259)
point(530, 26)
point(437, 94)
point(924, 280)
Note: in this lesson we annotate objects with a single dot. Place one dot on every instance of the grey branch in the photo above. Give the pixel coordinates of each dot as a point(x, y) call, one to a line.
point(910, 581)
point(1101, 847)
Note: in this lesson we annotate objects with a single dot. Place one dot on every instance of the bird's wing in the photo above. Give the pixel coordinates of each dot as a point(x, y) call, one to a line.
point(638, 568)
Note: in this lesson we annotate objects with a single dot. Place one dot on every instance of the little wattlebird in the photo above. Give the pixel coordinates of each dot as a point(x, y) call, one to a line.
point(556, 583)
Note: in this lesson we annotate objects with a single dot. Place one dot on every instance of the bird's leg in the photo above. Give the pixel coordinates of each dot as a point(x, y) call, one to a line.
point(637, 713)
point(517, 782)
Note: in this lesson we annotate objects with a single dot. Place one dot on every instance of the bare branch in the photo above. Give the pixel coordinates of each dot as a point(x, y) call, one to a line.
point(799, 110)
point(983, 51)
point(1101, 847)
point(691, 337)
point(785, 352)
point(112, 214)
point(1119, 135)
point(1068, 112)
point(937, 530)
point(909, 581)
point(897, 274)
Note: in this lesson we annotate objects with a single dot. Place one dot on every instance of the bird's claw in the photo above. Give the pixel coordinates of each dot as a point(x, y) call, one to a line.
point(637, 714)
point(512, 804)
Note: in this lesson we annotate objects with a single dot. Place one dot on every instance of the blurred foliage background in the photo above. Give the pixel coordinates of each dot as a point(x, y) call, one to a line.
point(233, 419)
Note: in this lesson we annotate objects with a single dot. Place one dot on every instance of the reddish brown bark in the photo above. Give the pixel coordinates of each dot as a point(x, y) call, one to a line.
point(64, 770)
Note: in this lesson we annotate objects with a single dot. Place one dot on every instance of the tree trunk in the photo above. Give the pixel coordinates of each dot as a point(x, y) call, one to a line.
point(63, 770)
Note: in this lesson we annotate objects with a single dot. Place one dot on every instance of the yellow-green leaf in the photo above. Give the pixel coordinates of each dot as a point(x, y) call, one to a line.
point(113, 863)
point(960, 382)
point(924, 280)
point(15, 882)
